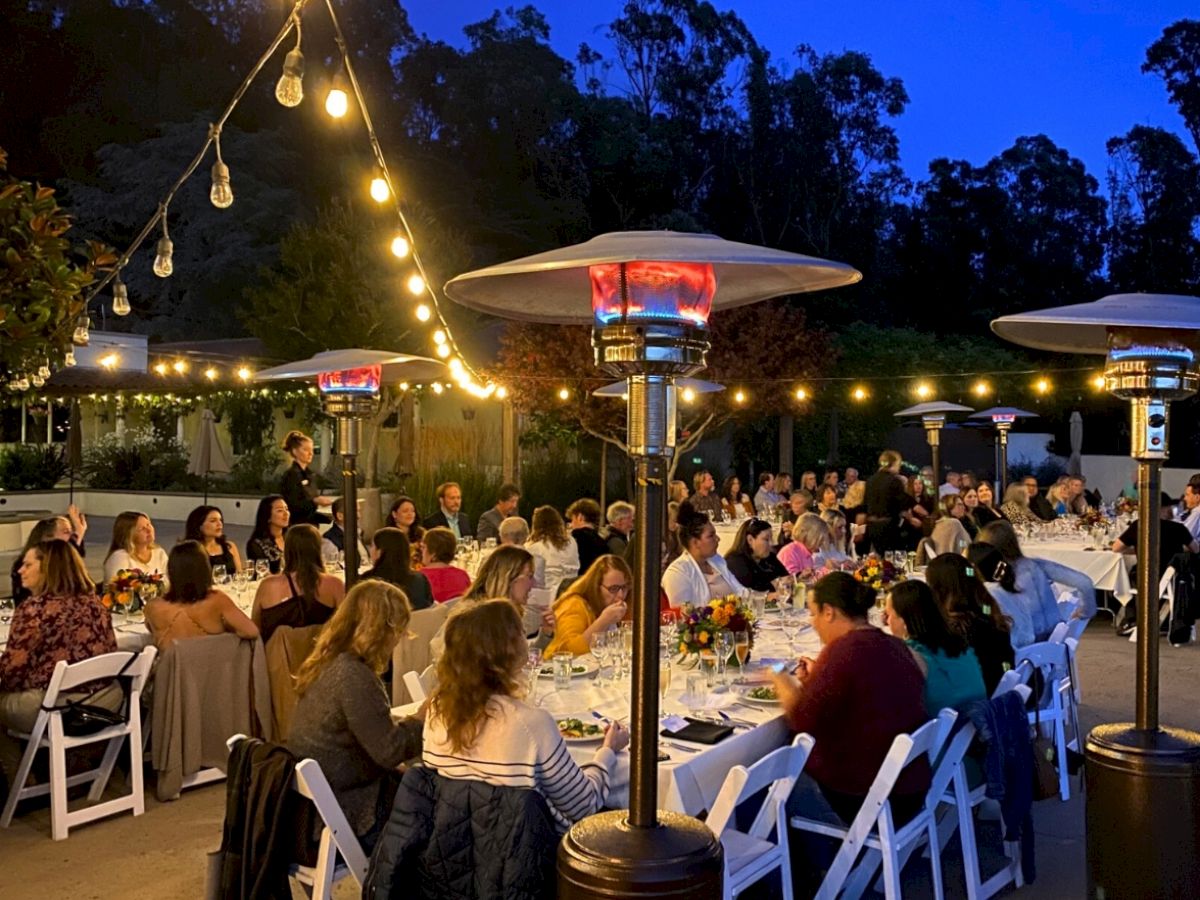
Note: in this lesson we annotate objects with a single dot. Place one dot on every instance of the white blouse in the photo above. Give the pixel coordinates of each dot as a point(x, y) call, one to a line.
point(121, 559)
point(559, 564)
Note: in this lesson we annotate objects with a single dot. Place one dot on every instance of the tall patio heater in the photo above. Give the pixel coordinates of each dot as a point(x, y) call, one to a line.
point(1143, 780)
point(647, 296)
point(933, 417)
point(1002, 418)
point(349, 382)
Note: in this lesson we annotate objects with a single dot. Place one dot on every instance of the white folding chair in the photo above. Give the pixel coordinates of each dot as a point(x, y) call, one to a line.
point(873, 830)
point(337, 837)
point(1166, 591)
point(420, 685)
point(1056, 705)
point(48, 732)
point(750, 855)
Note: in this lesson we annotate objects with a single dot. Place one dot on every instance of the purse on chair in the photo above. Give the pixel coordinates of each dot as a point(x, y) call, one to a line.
point(79, 718)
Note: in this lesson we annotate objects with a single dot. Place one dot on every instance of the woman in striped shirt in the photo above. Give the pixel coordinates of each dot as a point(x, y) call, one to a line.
point(480, 728)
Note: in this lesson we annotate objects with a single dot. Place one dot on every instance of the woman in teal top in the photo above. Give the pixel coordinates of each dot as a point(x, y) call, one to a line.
point(952, 673)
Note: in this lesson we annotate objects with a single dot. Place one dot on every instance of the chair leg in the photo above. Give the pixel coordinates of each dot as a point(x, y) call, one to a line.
point(1060, 740)
point(970, 851)
point(14, 790)
point(58, 786)
point(891, 867)
point(106, 766)
point(935, 862)
point(785, 858)
point(137, 765)
point(322, 888)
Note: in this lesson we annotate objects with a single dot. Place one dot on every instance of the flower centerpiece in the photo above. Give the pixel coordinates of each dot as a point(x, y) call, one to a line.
point(1090, 518)
point(699, 625)
point(877, 573)
point(131, 588)
point(1126, 506)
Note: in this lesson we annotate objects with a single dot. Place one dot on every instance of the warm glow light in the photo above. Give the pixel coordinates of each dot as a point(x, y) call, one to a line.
point(801, 394)
point(688, 395)
point(456, 365)
point(423, 313)
point(379, 189)
point(502, 392)
point(924, 391)
point(161, 368)
point(981, 389)
point(210, 373)
point(244, 373)
point(859, 393)
point(336, 103)
point(739, 397)
point(404, 385)
point(416, 284)
point(439, 337)
point(1042, 386)
point(179, 366)
point(110, 360)
point(400, 246)
point(1098, 382)
point(564, 394)
point(443, 350)
point(437, 388)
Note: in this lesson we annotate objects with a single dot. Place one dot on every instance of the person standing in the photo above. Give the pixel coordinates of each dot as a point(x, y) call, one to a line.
point(299, 485)
point(450, 514)
point(506, 505)
point(887, 500)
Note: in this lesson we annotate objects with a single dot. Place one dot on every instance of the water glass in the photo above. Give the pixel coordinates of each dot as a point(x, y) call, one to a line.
point(598, 646)
point(664, 674)
point(562, 670)
point(800, 596)
point(724, 645)
point(262, 568)
point(708, 668)
point(758, 604)
point(625, 653)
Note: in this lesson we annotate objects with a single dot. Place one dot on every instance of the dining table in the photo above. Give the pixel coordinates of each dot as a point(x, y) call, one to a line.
point(1108, 570)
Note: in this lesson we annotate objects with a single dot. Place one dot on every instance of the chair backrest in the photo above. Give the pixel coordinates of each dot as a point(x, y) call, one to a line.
point(412, 653)
point(286, 651)
point(310, 782)
point(926, 550)
point(67, 676)
point(1059, 634)
point(778, 770)
point(420, 684)
point(1011, 679)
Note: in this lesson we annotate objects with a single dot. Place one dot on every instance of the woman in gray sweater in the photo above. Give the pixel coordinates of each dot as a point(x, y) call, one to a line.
point(342, 719)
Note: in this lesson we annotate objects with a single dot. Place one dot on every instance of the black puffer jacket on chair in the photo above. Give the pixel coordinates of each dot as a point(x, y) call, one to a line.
point(449, 839)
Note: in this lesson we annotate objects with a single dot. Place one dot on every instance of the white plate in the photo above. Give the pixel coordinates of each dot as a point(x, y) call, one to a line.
point(580, 666)
point(748, 699)
point(589, 719)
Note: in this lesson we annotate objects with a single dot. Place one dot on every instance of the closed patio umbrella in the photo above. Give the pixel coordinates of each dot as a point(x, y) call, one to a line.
point(207, 455)
point(1075, 463)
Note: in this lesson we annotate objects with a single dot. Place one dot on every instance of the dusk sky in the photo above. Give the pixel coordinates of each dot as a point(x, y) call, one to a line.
point(979, 74)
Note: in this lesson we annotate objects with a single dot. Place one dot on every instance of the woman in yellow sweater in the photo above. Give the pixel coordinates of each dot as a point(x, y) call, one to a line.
point(595, 602)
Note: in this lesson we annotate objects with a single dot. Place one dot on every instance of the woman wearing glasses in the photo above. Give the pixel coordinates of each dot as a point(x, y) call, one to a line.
point(594, 603)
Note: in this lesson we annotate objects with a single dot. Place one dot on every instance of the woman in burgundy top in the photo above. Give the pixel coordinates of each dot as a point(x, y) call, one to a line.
point(437, 553)
point(861, 692)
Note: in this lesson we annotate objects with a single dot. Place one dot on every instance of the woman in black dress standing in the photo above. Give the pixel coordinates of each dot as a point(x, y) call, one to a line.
point(299, 485)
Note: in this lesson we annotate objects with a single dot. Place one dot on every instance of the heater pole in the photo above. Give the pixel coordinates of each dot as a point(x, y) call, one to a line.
point(643, 774)
point(1149, 508)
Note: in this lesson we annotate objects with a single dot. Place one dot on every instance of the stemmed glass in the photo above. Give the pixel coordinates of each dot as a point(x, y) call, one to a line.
point(664, 676)
point(533, 668)
point(598, 646)
point(789, 621)
point(624, 648)
point(741, 647)
point(220, 575)
point(670, 630)
point(725, 644)
point(262, 568)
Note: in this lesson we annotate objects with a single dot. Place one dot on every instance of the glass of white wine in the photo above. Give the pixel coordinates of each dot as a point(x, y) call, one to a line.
point(741, 647)
point(664, 675)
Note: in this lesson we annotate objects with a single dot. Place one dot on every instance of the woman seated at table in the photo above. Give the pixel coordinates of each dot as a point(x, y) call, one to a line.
point(70, 528)
point(840, 544)
point(827, 498)
point(594, 603)
point(62, 619)
point(343, 720)
point(302, 594)
point(810, 537)
point(550, 540)
point(735, 504)
point(949, 534)
point(951, 669)
point(391, 561)
point(270, 524)
point(480, 728)
point(752, 560)
point(191, 607)
point(1035, 579)
point(206, 525)
point(1000, 580)
point(1015, 507)
point(972, 614)
point(446, 581)
point(507, 574)
point(1058, 495)
point(985, 512)
point(863, 690)
point(975, 516)
point(699, 574)
point(133, 547)
point(404, 516)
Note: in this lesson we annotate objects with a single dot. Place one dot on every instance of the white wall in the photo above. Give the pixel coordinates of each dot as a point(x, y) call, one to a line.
point(1110, 474)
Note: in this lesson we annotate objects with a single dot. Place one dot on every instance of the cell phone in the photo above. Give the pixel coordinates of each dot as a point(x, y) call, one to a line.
point(779, 668)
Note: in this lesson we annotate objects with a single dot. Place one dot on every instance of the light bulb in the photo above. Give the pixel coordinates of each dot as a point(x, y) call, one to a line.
point(456, 366)
point(859, 394)
point(179, 366)
point(1042, 386)
point(502, 392)
point(161, 368)
point(400, 246)
point(924, 390)
point(379, 189)
point(423, 313)
point(801, 394)
point(244, 373)
point(416, 284)
point(688, 395)
point(564, 394)
point(1098, 382)
point(437, 388)
point(289, 90)
point(439, 337)
point(22, 383)
point(69, 359)
point(120, 298)
point(981, 389)
point(404, 385)
point(336, 103)
point(37, 380)
point(221, 194)
point(739, 397)
point(43, 371)
point(163, 266)
point(443, 350)
point(81, 336)
point(210, 373)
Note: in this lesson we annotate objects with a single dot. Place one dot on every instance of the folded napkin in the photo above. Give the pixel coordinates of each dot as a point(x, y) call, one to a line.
point(700, 732)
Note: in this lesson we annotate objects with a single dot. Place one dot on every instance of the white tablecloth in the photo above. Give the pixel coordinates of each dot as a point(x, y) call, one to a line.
point(1109, 571)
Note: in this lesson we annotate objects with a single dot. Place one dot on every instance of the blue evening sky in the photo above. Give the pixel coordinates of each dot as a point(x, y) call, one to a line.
point(979, 73)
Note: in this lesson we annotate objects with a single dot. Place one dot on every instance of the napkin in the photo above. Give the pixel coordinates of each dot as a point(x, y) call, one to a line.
point(701, 732)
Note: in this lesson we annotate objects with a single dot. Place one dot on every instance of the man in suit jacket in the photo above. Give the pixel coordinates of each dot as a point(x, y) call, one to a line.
point(449, 514)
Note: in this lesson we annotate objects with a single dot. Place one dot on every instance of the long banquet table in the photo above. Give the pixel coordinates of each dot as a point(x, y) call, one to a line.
point(1109, 571)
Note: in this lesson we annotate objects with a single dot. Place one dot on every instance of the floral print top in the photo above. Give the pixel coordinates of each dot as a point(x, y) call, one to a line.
point(48, 628)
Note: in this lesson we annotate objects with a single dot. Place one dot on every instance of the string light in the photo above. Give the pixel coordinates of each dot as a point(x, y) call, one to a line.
point(443, 350)
point(400, 246)
point(416, 284)
point(801, 394)
point(439, 337)
point(120, 304)
point(688, 395)
point(502, 392)
point(739, 396)
point(924, 391)
point(859, 393)
point(437, 388)
point(179, 366)
point(289, 90)
point(379, 188)
point(81, 335)
point(1042, 386)
point(564, 394)
point(164, 250)
point(423, 313)
point(981, 389)
point(1098, 382)
point(221, 194)
point(404, 385)
point(109, 360)
point(244, 373)
point(37, 380)
point(69, 359)
point(336, 101)
point(161, 368)
point(210, 373)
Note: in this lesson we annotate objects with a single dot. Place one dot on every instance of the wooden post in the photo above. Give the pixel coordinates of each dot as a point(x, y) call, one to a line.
point(510, 444)
point(787, 455)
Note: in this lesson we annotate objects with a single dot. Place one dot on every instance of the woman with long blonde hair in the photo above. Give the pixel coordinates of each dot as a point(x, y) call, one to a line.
point(480, 727)
point(594, 603)
point(342, 719)
point(133, 547)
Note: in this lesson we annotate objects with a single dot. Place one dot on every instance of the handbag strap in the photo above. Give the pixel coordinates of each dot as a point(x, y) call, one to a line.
point(116, 679)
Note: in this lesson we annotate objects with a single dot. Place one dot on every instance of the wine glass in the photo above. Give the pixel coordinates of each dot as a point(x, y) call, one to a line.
point(220, 575)
point(598, 646)
point(670, 630)
point(262, 569)
point(664, 676)
point(789, 621)
point(724, 644)
point(741, 647)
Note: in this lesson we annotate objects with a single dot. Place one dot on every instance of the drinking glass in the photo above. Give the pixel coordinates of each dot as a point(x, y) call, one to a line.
point(220, 575)
point(800, 596)
point(708, 667)
point(664, 676)
point(533, 668)
point(695, 693)
point(562, 670)
point(598, 646)
point(789, 621)
point(625, 634)
point(262, 569)
point(741, 647)
point(670, 630)
point(146, 593)
point(724, 645)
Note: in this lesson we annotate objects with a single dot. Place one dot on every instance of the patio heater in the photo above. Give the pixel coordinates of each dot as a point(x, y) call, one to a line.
point(647, 296)
point(1003, 418)
point(933, 417)
point(1143, 780)
point(349, 382)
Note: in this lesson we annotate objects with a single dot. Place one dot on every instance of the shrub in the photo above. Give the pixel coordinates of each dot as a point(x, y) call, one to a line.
point(255, 472)
point(31, 467)
point(148, 463)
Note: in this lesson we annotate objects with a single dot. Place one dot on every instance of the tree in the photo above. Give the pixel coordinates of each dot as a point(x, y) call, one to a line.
point(1175, 58)
point(761, 351)
point(43, 278)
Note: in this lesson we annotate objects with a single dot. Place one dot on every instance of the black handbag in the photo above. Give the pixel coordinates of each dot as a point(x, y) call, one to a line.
point(80, 718)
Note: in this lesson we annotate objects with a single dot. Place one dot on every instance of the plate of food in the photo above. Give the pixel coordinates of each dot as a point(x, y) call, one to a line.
point(763, 695)
point(580, 666)
point(580, 731)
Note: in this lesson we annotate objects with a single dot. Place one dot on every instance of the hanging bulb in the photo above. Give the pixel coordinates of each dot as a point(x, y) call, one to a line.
point(400, 246)
point(437, 388)
point(37, 380)
point(120, 304)
point(163, 266)
point(69, 359)
point(336, 101)
point(379, 187)
point(221, 194)
point(443, 350)
point(423, 313)
point(439, 337)
point(22, 383)
point(44, 371)
point(289, 90)
point(81, 336)
point(416, 284)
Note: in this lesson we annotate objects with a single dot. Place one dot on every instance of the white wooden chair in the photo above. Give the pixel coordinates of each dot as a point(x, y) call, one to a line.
point(1056, 705)
point(751, 855)
point(48, 732)
point(338, 840)
point(420, 685)
point(873, 834)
